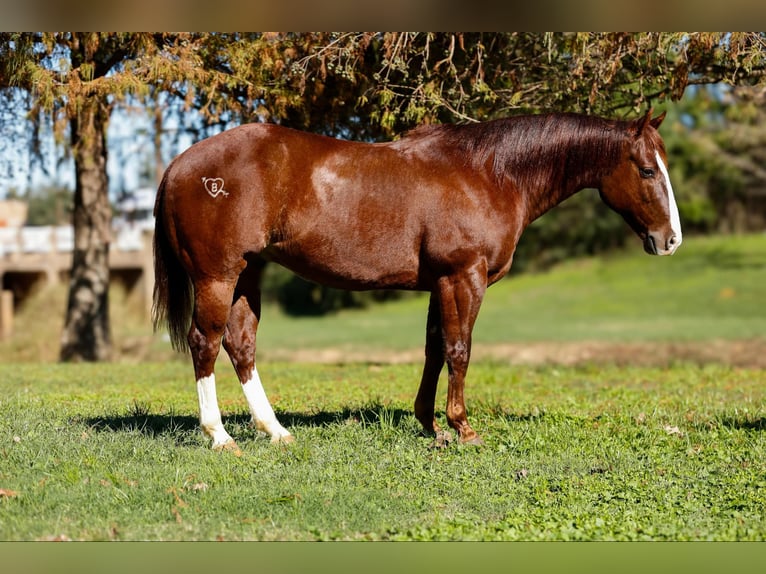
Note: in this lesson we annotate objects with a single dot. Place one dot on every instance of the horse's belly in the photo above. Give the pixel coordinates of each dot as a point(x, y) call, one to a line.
point(349, 269)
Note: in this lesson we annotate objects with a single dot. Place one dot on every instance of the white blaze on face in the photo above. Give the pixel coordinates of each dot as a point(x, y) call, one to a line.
point(675, 219)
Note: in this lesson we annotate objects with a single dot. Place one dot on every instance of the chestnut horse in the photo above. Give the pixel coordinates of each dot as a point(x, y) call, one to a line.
point(440, 210)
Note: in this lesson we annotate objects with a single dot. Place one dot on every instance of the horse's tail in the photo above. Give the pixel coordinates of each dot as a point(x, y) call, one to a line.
point(173, 291)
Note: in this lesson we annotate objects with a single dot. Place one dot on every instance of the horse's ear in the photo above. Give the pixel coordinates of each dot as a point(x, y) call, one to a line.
point(655, 122)
point(643, 122)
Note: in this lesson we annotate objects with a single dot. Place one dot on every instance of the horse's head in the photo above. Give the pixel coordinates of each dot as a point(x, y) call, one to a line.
point(639, 188)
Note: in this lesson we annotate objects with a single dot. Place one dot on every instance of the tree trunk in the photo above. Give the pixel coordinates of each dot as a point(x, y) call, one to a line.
point(159, 165)
point(86, 335)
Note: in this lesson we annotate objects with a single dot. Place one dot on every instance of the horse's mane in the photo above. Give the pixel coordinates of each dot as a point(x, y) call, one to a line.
point(543, 147)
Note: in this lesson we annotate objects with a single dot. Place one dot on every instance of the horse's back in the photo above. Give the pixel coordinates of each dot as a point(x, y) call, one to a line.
point(350, 214)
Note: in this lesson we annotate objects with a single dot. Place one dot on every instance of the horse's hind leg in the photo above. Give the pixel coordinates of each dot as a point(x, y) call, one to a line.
point(212, 301)
point(240, 341)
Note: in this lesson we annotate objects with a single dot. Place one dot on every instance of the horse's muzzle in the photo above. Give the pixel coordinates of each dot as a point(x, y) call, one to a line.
point(654, 245)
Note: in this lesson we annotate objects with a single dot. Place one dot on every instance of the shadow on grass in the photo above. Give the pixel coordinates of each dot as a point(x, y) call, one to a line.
point(744, 423)
point(172, 424)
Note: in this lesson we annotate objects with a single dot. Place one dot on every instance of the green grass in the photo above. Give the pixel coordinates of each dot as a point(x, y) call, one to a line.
point(102, 452)
point(595, 452)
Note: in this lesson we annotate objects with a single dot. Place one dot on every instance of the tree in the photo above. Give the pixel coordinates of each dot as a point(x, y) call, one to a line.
point(361, 85)
point(719, 148)
point(416, 77)
point(75, 80)
point(46, 205)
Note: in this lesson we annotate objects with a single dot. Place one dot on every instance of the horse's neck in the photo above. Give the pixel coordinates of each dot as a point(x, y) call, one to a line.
point(541, 197)
point(548, 187)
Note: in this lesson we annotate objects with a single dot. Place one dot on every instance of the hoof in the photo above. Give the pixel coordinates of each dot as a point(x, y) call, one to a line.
point(475, 440)
point(442, 439)
point(283, 440)
point(228, 446)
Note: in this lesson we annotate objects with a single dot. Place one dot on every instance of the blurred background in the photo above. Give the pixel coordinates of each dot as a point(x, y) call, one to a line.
point(89, 121)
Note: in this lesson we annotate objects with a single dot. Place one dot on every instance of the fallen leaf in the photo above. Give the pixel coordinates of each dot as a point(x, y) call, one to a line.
point(673, 430)
point(6, 493)
point(177, 514)
point(727, 293)
point(58, 538)
point(179, 501)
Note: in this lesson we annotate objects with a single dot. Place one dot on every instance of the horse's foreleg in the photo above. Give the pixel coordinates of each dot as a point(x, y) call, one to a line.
point(211, 309)
point(460, 297)
point(240, 342)
point(424, 402)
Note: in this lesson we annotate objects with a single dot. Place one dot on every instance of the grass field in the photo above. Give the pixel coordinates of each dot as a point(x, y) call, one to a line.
point(597, 451)
point(112, 452)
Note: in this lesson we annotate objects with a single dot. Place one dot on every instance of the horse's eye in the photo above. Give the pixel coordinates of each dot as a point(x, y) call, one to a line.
point(646, 172)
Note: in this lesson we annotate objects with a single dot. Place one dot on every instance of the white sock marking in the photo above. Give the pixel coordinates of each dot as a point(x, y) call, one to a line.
point(263, 415)
point(675, 219)
point(209, 415)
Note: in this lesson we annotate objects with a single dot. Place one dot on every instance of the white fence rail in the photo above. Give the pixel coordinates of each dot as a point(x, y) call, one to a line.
point(59, 239)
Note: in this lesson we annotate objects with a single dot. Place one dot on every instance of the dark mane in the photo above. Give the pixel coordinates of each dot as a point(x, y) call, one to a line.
point(528, 149)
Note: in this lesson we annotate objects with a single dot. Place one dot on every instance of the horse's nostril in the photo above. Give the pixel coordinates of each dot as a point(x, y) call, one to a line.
point(650, 246)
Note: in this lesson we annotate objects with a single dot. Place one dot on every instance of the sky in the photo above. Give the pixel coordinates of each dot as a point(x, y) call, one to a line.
point(130, 149)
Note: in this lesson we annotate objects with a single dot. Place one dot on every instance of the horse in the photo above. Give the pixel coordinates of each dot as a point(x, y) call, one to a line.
point(440, 210)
